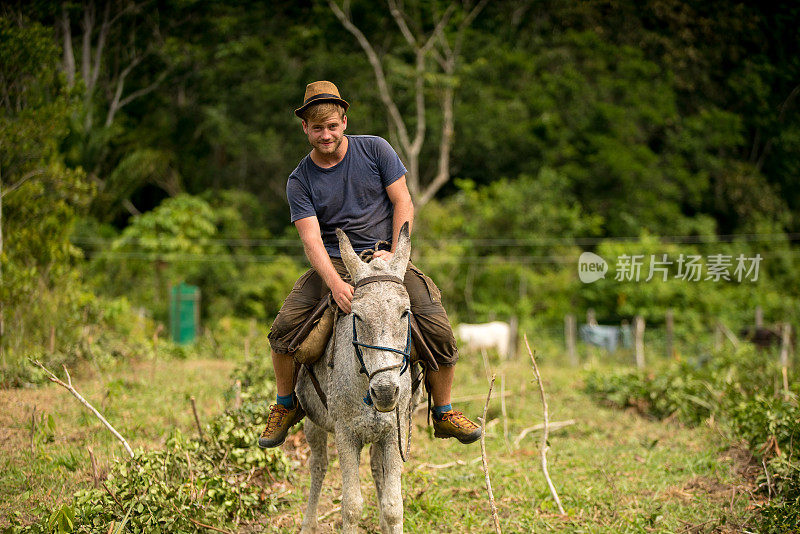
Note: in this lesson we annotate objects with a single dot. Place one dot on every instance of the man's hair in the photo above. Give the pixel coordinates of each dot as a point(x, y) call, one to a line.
point(323, 110)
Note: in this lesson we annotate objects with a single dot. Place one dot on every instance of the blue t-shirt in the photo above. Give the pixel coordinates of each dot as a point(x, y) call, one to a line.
point(351, 195)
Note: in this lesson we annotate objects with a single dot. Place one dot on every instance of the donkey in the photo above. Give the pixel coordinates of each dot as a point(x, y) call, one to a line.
point(366, 378)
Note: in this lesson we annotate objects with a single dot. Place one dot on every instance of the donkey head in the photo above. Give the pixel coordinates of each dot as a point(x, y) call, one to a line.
point(380, 311)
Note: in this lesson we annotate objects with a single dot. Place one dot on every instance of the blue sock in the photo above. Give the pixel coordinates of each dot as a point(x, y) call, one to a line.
point(286, 401)
point(438, 411)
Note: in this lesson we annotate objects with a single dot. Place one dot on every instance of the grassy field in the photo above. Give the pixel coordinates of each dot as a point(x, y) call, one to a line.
point(144, 401)
point(615, 471)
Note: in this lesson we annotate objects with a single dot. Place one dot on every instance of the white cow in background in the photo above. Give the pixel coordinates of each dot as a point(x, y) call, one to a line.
point(495, 335)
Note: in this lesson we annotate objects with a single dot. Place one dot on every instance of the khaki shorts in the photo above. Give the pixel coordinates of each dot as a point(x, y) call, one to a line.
point(426, 305)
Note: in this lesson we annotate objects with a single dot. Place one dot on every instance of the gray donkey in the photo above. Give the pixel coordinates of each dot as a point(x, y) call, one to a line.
point(368, 389)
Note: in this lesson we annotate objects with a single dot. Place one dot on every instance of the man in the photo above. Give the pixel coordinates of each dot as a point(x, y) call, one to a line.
point(356, 183)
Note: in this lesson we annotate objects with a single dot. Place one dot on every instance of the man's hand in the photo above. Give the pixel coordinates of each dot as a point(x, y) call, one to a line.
point(384, 254)
point(343, 295)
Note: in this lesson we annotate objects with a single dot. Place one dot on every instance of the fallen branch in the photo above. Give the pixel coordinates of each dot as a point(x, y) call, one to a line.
point(553, 491)
point(329, 513)
point(68, 386)
point(485, 463)
point(198, 523)
point(552, 426)
point(426, 465)
point(113, 496)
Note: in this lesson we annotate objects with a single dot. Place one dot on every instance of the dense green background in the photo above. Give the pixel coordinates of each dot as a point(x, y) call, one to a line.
point(576, 124)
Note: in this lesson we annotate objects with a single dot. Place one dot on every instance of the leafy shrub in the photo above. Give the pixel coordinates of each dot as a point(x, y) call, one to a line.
point(738, 390)
point(221, 480)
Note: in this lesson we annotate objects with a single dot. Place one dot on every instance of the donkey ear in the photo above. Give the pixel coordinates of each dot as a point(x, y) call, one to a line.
point(349, 256)
point(402, 252)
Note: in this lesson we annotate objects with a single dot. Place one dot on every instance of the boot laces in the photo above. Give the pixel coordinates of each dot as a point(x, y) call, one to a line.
point(276, 414)
point(458, 419)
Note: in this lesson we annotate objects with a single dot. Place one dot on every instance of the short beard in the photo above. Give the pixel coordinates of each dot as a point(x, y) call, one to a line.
point(321, 148)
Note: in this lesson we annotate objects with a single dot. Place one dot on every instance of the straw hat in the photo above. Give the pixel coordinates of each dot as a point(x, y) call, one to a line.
point(321, 91)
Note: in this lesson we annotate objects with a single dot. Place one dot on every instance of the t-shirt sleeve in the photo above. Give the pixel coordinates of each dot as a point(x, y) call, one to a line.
point(389, 164)
point(300, 205)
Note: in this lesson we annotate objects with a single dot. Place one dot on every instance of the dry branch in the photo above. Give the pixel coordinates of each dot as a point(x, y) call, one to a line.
point(551, 426)
point(503, 409)
point(553, 491)
point(198, 523)
point(486, 367)
point(33, 426)
point(426, 465)
point(329, 513)
point(113, 496)
point(485, 463)
point(68, 386)
point(95, 477)
point(197, 420)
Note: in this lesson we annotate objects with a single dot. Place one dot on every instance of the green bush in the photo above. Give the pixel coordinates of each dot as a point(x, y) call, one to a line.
point(222, 480)
point(737, 389)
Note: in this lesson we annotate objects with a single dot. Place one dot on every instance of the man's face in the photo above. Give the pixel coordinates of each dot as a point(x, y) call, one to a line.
point(326, 136)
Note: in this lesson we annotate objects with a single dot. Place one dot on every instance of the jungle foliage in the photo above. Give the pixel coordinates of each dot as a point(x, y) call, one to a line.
point(157, 149)
point(147, 144)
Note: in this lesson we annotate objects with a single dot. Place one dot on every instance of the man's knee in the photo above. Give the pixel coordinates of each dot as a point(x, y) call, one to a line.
point(305, 295)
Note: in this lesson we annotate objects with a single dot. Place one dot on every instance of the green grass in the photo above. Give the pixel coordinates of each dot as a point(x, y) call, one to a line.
point(615, 471)
point(144, 401)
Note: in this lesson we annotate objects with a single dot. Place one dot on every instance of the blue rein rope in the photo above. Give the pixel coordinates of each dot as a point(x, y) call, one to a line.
point(406, 355)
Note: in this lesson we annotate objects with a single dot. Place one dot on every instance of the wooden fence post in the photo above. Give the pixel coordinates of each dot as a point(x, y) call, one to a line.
point(670, 324)
point(638, 327)
point(570, 335)
point(786, 332)
point(759, 317)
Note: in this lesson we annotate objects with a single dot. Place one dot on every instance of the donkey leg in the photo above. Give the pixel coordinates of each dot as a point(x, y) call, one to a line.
point(318, 465)
point(376, 464)
point(391, 499)
point(349, 458)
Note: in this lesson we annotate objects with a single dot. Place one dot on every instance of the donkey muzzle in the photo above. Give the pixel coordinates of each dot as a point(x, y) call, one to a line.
point(385, 395)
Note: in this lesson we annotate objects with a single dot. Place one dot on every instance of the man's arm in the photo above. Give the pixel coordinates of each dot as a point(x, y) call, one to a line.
point(310, 234)
point(403, 212)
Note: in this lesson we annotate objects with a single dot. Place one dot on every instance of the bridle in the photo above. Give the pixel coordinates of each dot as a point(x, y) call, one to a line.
point(358, 345)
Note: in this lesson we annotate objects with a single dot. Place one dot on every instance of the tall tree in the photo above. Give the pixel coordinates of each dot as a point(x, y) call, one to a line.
point(435, 54)
point(113, 55)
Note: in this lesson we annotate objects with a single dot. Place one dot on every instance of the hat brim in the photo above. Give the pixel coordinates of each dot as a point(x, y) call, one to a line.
point(313, 101)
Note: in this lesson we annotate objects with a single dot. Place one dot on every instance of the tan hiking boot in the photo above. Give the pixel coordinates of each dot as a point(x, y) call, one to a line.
point(279, 421)
point(455, 425)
